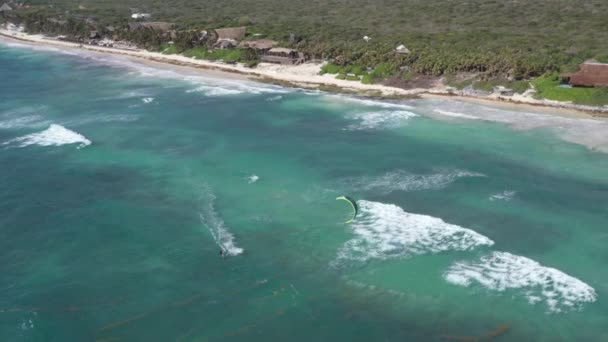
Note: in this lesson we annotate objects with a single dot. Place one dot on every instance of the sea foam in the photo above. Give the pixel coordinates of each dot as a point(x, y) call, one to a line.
point(385, 231)
point(55, 135)
point(502, 271)
point(456, 115)
point(401, 180)
point(381, 119)
point(506, 196)
point(215, 224)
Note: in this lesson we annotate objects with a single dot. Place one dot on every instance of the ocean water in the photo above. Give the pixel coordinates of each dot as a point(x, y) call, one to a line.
point(120, 183)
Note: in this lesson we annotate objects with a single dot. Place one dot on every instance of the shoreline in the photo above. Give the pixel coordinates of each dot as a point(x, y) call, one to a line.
point(307, 76)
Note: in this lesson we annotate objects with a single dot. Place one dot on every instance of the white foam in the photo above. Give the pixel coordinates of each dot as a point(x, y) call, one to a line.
point(381, 119)
point(502, 271)
point(253, 178)
point(147, 99)
point(274, 98)
point(213, 87)
point(367, 102)
point(212, 220)
point(55, 135)
point(21, 122)
point(386, 231)
point(456, 115)
point(506, 195)
point(405, 181)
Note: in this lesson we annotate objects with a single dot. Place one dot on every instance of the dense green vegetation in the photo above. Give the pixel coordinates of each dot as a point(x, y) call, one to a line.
point(550, 87)
point(494, 39)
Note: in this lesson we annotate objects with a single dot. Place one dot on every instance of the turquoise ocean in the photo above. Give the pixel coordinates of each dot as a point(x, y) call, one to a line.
point(121, 182)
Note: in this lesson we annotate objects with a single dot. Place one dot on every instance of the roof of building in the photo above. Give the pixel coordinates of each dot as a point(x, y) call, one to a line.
point(259, 44)
point(282, 50)
point(236, 33)
point(591, 74)
point(402, 49)
point(5, 8)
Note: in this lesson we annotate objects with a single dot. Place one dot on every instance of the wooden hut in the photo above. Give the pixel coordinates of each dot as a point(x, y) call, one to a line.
point(283, 56)
point(591, 74)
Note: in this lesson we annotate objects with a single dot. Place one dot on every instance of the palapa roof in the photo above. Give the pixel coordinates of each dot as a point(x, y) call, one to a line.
point(5, 8)
point(259, 44)
point(591, 74)
point(236, 33)
point(282, 50)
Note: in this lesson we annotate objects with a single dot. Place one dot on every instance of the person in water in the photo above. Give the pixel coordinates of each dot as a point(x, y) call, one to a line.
point(222, 253)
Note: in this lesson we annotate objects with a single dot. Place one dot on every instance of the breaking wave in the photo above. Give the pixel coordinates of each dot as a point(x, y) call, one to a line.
point(55, 135)
point(367, 102)
point(456, 115)
point(381, 119)
point(506, 195)
point(384, 231)
point(405, 181)
point(212, 88)
point(502, 271)
point(252, 179)
point(215, 224)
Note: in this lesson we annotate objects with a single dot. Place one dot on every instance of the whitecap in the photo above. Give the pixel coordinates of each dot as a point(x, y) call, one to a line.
point(381, 119)
point(502, 271)
point(274, 98)
point(55, 135)
point(147, 99)
point(215, 224)
point(252, 179)
point(506, 195)
point(215, 91)
point(456, 115)
point(401, 180)
point(384, 231)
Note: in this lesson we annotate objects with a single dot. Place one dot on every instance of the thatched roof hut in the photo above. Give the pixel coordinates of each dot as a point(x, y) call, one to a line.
point(234, 33)
point(591, 74)
point(5, 8)
point(259, 44)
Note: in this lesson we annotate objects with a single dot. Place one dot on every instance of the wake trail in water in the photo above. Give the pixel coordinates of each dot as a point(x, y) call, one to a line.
point(216, 225)
point(384, 231)
point(502, 271)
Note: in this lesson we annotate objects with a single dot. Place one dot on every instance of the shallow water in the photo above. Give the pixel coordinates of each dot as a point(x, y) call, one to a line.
point(121, 183)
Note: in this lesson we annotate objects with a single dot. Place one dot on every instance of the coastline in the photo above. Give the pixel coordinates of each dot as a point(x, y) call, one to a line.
point(307, 76)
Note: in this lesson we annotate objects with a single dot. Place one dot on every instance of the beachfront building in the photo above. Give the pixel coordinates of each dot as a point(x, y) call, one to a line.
point(591, 74)
point(259, 45)
point(283, 56)
point(229, 37)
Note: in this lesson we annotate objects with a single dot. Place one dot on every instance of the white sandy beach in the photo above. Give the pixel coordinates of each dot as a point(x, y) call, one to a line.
point(307, 75)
